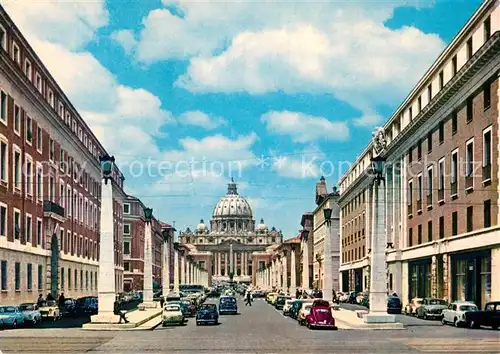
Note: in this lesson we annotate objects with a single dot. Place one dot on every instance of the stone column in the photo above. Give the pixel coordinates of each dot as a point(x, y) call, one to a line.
point(378, 275)
point(293, 277)
point(219, 264)
point(434, 276)
point(189, 277)
point(327, 263)
point(166, 267)
point(183, 269)
point(244, 263)
point(305, 265)
point(271, 274)
point(106, 285)
point(148, 266)
point(226, 264)
point(231, 259)
point(279, 268)
point(285, 271)
point(176, 269)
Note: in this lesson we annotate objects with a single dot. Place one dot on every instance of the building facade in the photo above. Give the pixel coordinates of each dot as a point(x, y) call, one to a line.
point(50, 183)
point(440, 195)
point(233, 242)
point(133, 245)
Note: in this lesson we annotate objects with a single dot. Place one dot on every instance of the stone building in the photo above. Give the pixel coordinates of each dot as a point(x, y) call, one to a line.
point(232, 242)
point(50, 183)
point(440, 195)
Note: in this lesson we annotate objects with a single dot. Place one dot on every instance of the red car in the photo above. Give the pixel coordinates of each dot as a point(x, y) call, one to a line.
point(320, 316)
point(191, 307)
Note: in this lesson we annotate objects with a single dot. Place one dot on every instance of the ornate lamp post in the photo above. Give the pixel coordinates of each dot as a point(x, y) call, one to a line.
point(106, 247)
point(166, 263)
point(148, 260)
point(328, 266)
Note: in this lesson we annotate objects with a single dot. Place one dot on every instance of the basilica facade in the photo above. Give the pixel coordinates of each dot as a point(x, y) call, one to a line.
point(232, 245)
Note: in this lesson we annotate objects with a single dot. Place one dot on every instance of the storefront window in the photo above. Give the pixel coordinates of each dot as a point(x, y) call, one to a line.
point(460, 277)
point(485, 280)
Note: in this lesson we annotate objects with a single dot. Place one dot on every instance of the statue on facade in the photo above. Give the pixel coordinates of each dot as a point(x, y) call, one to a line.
point(379, 141)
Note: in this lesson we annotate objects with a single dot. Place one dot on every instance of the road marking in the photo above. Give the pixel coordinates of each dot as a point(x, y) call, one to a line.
point(445, 345)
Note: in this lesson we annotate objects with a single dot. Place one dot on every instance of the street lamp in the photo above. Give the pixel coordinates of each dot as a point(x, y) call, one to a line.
point(304, 234)
point(327, 212)
point(148, 214)
point(166, 235)
point(107, 167)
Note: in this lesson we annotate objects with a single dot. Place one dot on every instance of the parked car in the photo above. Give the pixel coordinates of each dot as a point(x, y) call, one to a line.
point(270, 297)
point(172, 314)
point(455, 313)
point(294, 310)
point(86, 306)
point(11, 316)
point(431, 308)
point(412, 307)
point(207, 314)
point(394, 305)
point(31, 313)
point(303, 312)
point(190, 306)
point(489, 317)
point(288, 306)
point(320, 316)
point(228, 304)
point(50, 310)
point(280, 302)
point(69, 307)
point(352, 298)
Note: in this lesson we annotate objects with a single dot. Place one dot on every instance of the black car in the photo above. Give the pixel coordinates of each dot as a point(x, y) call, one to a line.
point(280, 302)
point(207, 313)
point(394, 305)
point(294, 310)
point(228, 304)
point(489, 317)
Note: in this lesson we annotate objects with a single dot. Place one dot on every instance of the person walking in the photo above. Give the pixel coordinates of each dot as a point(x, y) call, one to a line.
point(61, 301)
point(248, 298)
point(39, 302)
point(118, 311)
point(162, 301)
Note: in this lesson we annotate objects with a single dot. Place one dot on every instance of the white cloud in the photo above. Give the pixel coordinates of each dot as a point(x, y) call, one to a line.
point(201, 119)
point(70, 23)
point(126, 39)
point(303, 128)
point(304, 164)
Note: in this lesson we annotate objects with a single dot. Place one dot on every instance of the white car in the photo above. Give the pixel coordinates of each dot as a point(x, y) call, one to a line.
point(172, 314)
point(455, 313)
point(31, 313)
point(288, 306)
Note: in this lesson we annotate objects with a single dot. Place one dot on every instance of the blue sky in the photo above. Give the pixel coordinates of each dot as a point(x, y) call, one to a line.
point(279, 92)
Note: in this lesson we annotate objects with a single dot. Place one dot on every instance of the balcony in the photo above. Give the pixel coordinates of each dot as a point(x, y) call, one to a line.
point(53, 210)
point(419, 206)
point(469, 183)
point(454, 190)
point(429, 201)
point(487, 173)
point(440, 196)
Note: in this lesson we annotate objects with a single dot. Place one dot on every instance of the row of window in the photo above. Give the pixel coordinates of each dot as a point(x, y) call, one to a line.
point(355, 202)
point(78, 279)
point(470, 225)
point(437, 82)
point(354, 254)
point(4, 285)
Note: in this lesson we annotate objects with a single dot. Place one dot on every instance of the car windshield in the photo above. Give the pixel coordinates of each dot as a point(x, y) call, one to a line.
point(321, 303)
point(49, 303)
point(208, 307)
point(394, 300)
point(468, 308)
point(7, 309)
point(27, 307)
point(227, 300)
point(436, 302)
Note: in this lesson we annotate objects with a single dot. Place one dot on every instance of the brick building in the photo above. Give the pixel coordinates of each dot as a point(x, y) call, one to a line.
point(133, 245)
point(441, 180)
point(50, 183)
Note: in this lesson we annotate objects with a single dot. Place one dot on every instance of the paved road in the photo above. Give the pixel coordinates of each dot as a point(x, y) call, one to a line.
point(258, 329)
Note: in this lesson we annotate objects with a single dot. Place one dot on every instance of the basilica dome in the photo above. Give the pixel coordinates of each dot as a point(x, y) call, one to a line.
point(232, 205)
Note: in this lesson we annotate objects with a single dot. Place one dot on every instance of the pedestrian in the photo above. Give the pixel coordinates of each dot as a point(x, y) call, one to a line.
point(118, 311)
point(62, 299)
point(39, 302)
point(297, 294)
point(248, 297)
point(162, 301)
point(49, 297)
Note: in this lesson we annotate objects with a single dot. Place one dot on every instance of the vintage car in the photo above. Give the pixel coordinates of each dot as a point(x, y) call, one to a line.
point(412, 307)
point(11, 316)
point(303, 312)
point(489, 317)
point(207, 314)
point(270, 297)
point(455, 313)
point(287, 307)
point(431, 308)
point(320, 316)
point(228, 305)
point(172, 314)
point(394, 305)
point(190, 306)
point(280, 301)
point(49, 309)
point(31, 313)
point(294, 310)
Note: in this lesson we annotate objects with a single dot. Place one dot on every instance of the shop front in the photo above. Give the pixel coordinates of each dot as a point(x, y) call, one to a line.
point(420, 278)
point(471, 277)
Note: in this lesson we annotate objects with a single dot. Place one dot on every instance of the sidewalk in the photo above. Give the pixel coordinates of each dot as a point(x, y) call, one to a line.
point(347, 319)
point(138, 320)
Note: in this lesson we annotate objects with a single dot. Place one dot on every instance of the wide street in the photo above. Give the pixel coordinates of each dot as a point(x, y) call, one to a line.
point(257, 329)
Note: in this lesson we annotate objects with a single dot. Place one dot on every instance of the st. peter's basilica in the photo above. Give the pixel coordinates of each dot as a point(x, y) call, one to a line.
point(232, 242)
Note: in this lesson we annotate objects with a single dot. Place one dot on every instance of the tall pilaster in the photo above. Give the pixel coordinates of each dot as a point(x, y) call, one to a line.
point(305, 265)
point(183, 269)
point(148, 265)
point(293, 271)
point(165, 277)
point(176, 269)
point(328, 266)
point(285, 271)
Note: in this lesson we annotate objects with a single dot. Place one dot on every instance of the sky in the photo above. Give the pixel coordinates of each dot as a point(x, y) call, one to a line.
point(189, 94)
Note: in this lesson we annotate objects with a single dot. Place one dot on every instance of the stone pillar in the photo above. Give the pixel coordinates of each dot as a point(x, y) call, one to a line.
point(293, 274)
point(434, 277)
point(231, 259)
point(106, 285)
point(176, 270)
point(285, 272)
point(327, 263)
point(148, 266)
point(183, 269)
point(378, 274)
point(446, 277)
point(226, 264)
point(219, 264)
point(279, 268)
point(305, 265)
point(166, 268)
